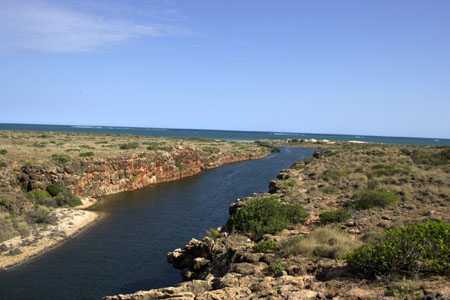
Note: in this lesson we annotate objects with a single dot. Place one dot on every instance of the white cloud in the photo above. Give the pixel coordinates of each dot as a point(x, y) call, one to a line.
point(38, 26)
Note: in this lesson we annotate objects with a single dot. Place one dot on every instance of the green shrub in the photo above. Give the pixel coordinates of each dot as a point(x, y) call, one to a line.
point(62, 196)
point(42, 198)
point(213, 233)
point(295, 213)
point(411, 249)
point(55, 188)
point(2, 164)
point(66, 198)
point(276, 268)
point(266, 246)
point(373, 198)
point(130, 145)
point(3, 151)
point(263, 215)
point(334, 216)
point(87, 154)
point(321, 242)
point(60, 158)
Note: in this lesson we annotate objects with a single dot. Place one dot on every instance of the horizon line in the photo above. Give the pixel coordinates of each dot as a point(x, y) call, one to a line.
point(223, 130)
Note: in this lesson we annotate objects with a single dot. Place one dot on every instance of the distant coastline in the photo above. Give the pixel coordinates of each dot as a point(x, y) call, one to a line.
point(222, 134)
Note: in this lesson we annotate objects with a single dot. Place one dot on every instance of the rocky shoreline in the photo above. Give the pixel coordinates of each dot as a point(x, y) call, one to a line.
point(307, 260)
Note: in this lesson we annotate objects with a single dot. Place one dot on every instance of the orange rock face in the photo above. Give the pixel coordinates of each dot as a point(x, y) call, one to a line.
point(100, 177)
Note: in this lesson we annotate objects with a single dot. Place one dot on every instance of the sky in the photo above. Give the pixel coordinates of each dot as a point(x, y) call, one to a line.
point(350, 66)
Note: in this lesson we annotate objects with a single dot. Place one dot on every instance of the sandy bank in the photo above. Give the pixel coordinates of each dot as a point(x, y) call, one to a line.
point(69, 221)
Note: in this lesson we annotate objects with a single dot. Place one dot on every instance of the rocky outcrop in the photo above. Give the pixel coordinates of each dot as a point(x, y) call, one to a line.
point(232, 286)
point(229, 265)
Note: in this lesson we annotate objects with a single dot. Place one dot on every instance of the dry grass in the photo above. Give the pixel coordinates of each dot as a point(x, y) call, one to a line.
point(322, 242)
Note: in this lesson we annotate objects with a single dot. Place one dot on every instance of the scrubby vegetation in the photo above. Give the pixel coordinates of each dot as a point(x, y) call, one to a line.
point(213, 233)
point(334, 216)
point(389, 170)
point(154, 146)
point(411, 249)
point(265, 215)
point(61, 159)
point(367, 199)
point(425, 157)
point(130, 145)
point(266, 246)
point(56, 195)
point(3, 151)
point(87, 154)
point(276, 268)
point(334, 174)
point(40, 214)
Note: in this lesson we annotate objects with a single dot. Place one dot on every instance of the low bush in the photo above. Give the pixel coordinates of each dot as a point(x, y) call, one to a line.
point(62, 196)
point(40, 214)
point(266, 246)
point(213, 233)
point(3, 151)
point(411, 249)
point(322, 242)
point(55, 188)
point(153, 146)
point(87, 154)
point(42, 198)
point(276, 268)
point(2, 164)
point(61, 158)
point(66, 198)
point(264, 215)
point(334, 216)
point(130, 145)
point(367, 199)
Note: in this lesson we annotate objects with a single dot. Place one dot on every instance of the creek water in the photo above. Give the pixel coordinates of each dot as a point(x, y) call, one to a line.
point(126, 250)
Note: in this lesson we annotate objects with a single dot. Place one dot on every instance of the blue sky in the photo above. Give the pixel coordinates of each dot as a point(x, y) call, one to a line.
point(360, 67)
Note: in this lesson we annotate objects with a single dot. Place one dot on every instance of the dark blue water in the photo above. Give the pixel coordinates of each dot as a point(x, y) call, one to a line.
point(224, 134)
point(126, 250)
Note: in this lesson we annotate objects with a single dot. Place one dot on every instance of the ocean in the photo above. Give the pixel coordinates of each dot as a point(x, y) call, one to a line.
point(223, 134)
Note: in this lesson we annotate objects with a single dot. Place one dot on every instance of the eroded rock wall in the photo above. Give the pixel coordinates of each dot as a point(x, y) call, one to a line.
point(101, 177)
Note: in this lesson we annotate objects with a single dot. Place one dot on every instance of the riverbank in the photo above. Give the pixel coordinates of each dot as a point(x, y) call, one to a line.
point(303, 239)
point(68, 223)
point(43, 175)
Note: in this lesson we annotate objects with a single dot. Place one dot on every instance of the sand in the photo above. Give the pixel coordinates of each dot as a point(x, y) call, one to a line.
point(70, 221)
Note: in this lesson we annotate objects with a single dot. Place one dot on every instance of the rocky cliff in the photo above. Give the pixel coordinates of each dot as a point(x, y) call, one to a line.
point(98, 177)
